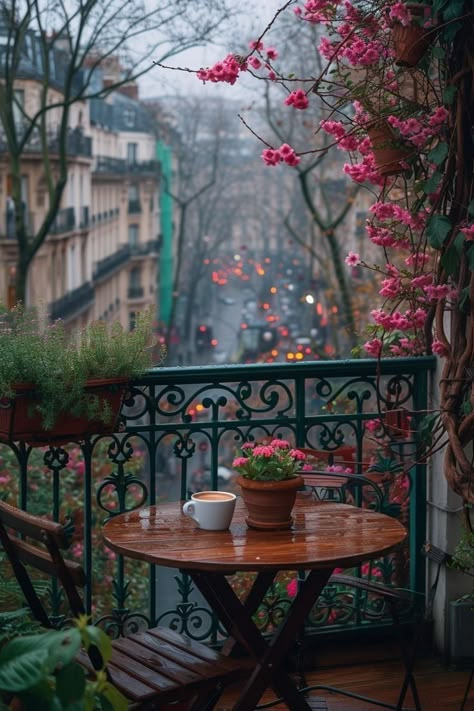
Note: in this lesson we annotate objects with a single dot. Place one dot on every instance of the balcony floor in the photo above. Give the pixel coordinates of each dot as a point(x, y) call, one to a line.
point(440, 687)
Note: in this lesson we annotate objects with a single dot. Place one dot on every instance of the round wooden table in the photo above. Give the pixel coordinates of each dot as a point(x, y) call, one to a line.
point(324, 536)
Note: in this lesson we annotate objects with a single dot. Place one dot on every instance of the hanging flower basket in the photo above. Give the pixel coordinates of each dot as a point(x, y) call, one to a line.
point(390, 157)
point(21, 422)
point(411, 41)
point(270, 503)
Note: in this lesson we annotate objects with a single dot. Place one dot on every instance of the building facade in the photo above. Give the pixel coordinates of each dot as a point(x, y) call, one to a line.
point(100, 257)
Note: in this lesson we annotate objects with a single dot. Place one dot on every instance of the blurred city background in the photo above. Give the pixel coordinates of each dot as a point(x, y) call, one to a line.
point(122, 187)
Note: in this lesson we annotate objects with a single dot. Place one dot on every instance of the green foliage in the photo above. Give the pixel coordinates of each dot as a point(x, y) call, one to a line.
point(430, 185)
point(439, 153)
point(40, 670)
point(438, 228)
point(58, 364)
point(470, 259)
point(450, 260)
point(463, 556)
point(16, 619)
point(449, 94)
point(15, 622)
point(427, 426)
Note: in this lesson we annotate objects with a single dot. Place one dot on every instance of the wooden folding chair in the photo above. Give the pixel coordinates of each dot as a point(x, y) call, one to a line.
point(338, 483)
point(152, 668)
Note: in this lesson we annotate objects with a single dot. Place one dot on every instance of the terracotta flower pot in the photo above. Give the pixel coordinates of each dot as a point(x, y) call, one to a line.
point(389, 157)
point(269, 503)
point(20, 423)
point(411, 42)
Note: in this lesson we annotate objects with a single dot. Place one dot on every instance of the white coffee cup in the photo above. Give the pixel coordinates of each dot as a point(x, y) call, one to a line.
point(212, 510)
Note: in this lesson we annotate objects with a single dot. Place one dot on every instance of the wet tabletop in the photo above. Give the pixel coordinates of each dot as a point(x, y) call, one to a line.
point(323, 535)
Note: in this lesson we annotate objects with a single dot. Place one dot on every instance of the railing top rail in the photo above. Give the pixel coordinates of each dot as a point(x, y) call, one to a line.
point(327, 368)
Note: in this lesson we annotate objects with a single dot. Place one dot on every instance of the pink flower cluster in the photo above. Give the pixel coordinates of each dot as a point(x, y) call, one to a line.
point(384, 211)
point(284, 154)
point(410, 320)
point(263, 450)
point(317, 10)
point(468, 232)
point(266, 55)
point(373, 425)
point(297, 99)
point(401, 13)
point(227, 70)
point(273, 461)
point(439, 348)
point(365, 171)
point(339, 469)
point(421, 130)
point(361, 42)
point(344, 141)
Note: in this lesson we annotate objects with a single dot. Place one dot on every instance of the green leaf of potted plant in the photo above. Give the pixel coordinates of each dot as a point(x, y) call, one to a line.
point(41, 671)
point(269, 481)
point(58, 386)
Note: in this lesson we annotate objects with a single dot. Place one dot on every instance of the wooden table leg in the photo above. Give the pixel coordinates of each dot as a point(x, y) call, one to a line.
point(251, 603)
point(269, 656)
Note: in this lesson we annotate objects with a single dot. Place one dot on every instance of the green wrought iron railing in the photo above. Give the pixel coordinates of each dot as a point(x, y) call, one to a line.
point(181, 428)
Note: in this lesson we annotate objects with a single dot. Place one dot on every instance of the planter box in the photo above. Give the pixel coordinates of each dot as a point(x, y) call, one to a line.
point(461, 631)
point(20, 423)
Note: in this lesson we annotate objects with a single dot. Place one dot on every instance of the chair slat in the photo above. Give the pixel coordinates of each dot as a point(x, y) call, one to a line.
point(194, 662)
point(32, 526)
point(151, 660)
point(201, 651)
point(131, 688)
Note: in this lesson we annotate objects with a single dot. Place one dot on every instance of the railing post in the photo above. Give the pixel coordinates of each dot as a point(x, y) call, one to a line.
point(417, 516)
point(300, 411)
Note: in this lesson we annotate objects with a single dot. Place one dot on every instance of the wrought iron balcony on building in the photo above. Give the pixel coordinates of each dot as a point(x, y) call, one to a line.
point(135, 292)
point(180, 428)
point(134, 207)
point(107, 266)
point(109, 165)
point(73, 303)
point(143, 249)
point(65, 221)
point(84, 221)
point(76, 143)
point(9, 231)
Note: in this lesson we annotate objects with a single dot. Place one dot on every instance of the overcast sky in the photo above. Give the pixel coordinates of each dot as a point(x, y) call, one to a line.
point(159, 82)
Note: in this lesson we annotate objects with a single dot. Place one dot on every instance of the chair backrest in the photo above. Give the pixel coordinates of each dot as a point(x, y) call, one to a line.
point(43, 552)
point(343, 456)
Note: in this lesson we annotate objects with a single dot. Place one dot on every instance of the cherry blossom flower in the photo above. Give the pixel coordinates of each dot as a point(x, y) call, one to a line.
point(297, 99)
point(352, 259)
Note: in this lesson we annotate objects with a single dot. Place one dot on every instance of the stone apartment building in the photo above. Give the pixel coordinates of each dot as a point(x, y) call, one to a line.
point(100, 258)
